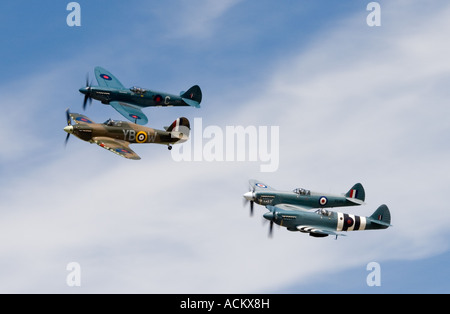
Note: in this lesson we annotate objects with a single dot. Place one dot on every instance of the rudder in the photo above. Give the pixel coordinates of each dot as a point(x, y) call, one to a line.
point(179, 125)
point(382, 216)
point(193, 96)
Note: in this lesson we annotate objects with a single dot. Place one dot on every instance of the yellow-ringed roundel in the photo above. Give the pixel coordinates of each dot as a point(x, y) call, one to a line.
point(323, 201)
point(141, 137)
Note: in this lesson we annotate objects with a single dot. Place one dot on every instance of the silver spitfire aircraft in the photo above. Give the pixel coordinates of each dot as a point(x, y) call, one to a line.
point(295, 210)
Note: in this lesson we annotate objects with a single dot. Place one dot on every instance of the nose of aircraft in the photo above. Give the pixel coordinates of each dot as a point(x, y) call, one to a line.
point(268, 216)
point(249, 196)
point(83, 90)
point(69, 129)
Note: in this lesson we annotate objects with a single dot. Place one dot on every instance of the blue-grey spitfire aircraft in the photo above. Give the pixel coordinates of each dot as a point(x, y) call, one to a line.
point(130, 101)
point(305, 211)
point(116, 136)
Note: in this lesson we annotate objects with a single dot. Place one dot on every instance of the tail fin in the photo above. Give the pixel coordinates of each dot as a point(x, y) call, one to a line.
point(193, 96)
point(180, 129)
point(381, 217)
point(356, 193)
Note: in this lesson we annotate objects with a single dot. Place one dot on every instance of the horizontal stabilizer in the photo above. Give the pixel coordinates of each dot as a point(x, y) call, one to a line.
point(355, 201)
point(381, 223)
point(191, 102)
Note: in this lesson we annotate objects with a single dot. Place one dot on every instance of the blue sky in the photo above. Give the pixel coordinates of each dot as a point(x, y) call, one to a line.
point(353, 104)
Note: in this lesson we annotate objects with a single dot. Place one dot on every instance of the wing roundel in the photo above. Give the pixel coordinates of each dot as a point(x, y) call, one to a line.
point(106, 79)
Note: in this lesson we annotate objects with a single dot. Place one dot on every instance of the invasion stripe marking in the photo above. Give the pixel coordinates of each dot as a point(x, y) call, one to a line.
point(357, 223)
point(363, 223)
point(340, 222)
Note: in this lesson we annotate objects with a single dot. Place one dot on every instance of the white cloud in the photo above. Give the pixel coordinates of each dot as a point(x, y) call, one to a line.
point(369, 114)
point(193, 19)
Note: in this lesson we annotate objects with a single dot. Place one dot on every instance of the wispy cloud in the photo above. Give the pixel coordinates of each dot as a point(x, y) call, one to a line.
point(370, 113)
point(194, 19)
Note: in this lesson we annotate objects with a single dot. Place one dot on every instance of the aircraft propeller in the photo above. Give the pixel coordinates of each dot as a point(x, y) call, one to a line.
point(87, 95)
point(69, 127)
point(270, 216)
point(250, 196)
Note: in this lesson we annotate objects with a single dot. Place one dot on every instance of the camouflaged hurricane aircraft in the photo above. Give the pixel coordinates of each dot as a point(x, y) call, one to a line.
point(116, 136)
point(295, 210)
point(130, 101)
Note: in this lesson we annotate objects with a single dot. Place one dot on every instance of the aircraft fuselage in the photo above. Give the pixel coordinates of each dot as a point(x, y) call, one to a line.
point(137, 97)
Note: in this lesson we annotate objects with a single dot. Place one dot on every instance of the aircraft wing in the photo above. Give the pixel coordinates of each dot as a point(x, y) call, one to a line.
point(130, 112)
point(106, 79)
point(293, 207)
point(118, 147)
point(319, 231)
point(80, 119)
point(259, 186)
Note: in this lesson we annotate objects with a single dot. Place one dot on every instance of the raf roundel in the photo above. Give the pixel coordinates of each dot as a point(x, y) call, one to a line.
point(106, 77)
point(323, 201)
point(135, 117)
point(158, 98)
point(260, 185)
point(83, 119)
point(141, 137)
point(122, 150)
point(349, 222)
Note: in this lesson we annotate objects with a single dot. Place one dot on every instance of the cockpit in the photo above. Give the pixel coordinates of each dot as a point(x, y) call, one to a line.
point(111, 122)
point(324, 212)
point(301, 191)
point(138, 90)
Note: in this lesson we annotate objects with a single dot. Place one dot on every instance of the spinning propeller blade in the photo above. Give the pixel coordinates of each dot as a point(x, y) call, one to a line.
point(87, 96)
point(271, 216)
point(67, 128)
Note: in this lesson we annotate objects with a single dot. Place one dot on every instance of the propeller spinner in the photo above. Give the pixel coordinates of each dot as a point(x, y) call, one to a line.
point(250, 196)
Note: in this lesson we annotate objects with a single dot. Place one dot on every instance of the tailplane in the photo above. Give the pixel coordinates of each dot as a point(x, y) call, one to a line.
point(193, 96)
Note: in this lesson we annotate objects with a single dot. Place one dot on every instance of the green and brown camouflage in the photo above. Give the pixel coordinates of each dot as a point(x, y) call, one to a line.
point(116, 136)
